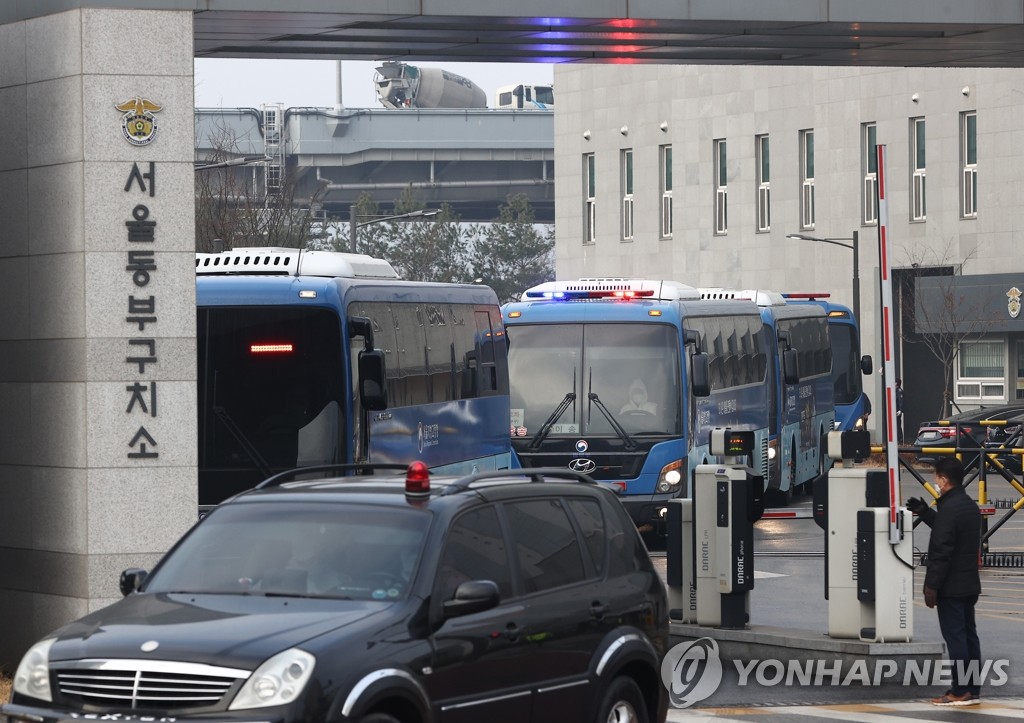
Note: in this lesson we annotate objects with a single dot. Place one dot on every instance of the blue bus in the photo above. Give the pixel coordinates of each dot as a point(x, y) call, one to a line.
point(801, 409)
point(316, 357)
point(848, 366)
point(624, 379)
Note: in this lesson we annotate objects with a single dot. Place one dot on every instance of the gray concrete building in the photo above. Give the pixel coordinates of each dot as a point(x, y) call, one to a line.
point(700, 173)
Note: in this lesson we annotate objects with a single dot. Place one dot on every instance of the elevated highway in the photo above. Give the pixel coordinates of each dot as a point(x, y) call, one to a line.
point(472, 159)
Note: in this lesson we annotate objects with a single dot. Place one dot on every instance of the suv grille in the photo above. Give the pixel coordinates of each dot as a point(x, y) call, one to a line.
point(146, 684)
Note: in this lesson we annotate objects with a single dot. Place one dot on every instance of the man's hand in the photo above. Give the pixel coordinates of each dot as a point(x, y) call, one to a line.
point(930, 597)
point(917, 505)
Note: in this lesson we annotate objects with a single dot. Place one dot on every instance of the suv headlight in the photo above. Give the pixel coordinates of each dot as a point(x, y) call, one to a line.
point(33, 675)
point(278, 681)
point(670, 477)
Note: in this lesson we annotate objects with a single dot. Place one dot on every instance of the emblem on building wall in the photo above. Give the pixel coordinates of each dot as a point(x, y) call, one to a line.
point(138, 123)
point(1013, 305)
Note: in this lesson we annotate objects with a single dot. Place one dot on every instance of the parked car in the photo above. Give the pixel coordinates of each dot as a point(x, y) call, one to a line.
point(502, 596)
point(965, 431)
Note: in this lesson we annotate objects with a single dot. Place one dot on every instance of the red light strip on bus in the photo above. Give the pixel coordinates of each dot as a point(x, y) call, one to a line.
point(272, 348)
point(806, 296)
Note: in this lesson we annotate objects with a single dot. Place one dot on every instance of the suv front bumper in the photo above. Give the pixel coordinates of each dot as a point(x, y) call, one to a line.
point(11, 713)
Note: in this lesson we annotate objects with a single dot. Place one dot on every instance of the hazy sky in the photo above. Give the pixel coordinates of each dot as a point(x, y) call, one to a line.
point(248, 83)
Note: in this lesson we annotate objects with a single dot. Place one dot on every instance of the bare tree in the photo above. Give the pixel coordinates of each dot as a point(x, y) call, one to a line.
point(234, 206)
point(942, 314)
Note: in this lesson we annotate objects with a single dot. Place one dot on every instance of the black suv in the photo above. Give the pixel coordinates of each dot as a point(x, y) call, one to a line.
point(503, 596)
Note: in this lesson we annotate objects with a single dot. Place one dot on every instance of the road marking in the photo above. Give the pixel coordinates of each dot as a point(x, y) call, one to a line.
point(1008, 709)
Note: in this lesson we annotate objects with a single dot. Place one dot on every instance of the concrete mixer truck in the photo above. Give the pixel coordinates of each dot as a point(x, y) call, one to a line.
point(400, 85)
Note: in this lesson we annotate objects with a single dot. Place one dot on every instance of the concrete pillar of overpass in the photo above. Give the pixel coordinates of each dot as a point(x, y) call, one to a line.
point(97, 307)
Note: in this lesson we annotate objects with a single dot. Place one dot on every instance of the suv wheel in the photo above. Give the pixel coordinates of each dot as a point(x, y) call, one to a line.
point(379, 718)
point(622, 703)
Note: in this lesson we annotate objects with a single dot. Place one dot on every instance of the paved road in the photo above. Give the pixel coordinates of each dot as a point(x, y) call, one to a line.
point(991, 711)
point(788, 593)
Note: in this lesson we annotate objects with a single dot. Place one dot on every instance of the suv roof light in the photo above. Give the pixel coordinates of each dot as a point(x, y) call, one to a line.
point(611, 288)
point(417, 480)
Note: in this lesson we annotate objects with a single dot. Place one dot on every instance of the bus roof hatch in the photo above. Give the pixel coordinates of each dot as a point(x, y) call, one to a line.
point(611, 288)
point(293, 262)
point(759, 296)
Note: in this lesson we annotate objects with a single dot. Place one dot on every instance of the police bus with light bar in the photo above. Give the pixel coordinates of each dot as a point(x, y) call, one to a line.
point(848, 366)
point(623, 379)
point(801, 410)
point(317, 357)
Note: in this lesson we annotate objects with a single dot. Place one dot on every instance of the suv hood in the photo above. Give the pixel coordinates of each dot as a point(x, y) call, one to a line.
point(239, 631)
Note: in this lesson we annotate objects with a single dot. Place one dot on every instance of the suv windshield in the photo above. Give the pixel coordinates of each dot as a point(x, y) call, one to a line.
point(349, 551)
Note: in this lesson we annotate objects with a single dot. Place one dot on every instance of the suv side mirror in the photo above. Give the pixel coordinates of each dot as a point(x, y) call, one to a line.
point(131, 580)
point(472, 597)
point(865, 364)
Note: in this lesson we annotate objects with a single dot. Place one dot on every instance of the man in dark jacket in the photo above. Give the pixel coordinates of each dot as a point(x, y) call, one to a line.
point(952, 582)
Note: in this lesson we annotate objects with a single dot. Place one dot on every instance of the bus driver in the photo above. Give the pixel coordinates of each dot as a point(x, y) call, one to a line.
point(638, 400)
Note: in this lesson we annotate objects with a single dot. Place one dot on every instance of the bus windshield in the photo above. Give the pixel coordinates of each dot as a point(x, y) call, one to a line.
point(574, 377)
point(270, 394)
point(846, 372)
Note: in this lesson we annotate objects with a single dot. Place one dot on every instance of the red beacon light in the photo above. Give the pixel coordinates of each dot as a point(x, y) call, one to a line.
point(417, 480)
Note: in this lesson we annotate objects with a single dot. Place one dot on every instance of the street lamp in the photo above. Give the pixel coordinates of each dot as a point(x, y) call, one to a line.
point(856, 262)
point(354, 225)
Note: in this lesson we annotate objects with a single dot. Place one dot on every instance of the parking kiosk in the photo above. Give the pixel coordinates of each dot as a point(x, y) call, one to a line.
point(869, 582)
point(727, 501)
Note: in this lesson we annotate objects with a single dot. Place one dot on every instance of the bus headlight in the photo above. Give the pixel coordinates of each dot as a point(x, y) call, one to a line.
point(670, 477)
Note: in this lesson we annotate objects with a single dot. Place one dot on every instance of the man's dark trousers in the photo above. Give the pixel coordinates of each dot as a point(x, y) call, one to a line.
point(956, 621)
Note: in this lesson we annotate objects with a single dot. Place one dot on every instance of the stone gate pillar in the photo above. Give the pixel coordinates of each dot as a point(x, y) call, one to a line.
point(97, 308)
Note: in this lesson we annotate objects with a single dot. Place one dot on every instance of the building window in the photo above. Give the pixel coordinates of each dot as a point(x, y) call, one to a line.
point(869, 161)
point(917, 179)
point(666, 191)
point(969, 161)
point(764, 184)
point(807, 179)
point(626, 164)
point(721, 192)
point(589, 199)
point(981, 370)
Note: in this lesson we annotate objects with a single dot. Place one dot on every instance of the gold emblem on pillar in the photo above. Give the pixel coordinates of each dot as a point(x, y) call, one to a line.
point(138, 123)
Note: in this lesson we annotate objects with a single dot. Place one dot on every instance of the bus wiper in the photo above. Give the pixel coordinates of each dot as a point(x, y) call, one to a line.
point(545, 428)
point(243, 441)
point(623, 435)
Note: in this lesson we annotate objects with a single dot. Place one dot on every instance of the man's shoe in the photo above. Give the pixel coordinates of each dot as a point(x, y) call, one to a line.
point(952, 699)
